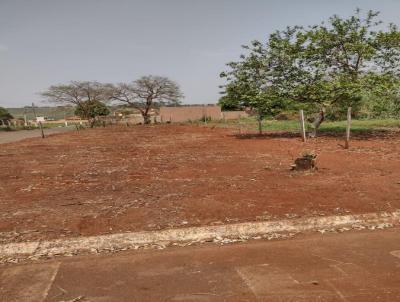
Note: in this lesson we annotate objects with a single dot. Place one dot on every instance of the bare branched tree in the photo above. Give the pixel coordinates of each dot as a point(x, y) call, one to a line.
point(77, 92)
point(148, 92)
point(82, 94)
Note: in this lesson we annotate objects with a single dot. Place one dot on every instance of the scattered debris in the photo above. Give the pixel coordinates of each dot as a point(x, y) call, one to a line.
point(205, 294)
point(291, 215)
point(80, 298)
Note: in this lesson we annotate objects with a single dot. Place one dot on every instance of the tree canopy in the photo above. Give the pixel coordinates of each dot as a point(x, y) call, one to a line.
point(77, 92)
point(5, 115)
point(143, 94)
point(88, 97)
point(148, 92)
point(343, 62)
point(91, 109)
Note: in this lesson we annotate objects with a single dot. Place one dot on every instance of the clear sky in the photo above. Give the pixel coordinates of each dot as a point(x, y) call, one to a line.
point(45, 42)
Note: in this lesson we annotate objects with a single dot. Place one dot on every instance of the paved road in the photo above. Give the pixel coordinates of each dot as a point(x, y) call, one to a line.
point(13, 136)
point(361, 266)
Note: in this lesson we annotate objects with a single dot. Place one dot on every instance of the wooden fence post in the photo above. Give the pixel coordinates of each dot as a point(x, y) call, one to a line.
point(205, 114)
point(348, 127)
point(302, 127)
point(239, 125)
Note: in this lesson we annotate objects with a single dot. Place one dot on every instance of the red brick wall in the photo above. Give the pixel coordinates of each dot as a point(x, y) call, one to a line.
point(192, 113)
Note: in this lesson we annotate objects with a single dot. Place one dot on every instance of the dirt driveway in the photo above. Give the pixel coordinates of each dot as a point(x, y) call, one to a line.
point(111, 180)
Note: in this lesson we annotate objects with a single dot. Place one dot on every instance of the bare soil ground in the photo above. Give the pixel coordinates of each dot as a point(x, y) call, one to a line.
point(117, 179)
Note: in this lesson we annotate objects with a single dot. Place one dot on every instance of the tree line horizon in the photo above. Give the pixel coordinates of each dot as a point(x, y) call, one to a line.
point(322, 69)
point(90, 97)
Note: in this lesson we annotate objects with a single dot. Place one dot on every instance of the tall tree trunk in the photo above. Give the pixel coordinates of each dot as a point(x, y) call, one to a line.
point(146, 118)
point(317, 122)
point(92, 122)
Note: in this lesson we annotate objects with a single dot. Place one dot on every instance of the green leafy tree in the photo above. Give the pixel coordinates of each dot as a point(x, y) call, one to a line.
point(5, 116)
point(358, 60)
point(90, 110)
point(227, 103)
point(249, 83)
point(324, 67)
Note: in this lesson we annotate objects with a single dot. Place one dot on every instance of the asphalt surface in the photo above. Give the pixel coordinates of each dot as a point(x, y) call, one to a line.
point(14, 136)
point(355, 266)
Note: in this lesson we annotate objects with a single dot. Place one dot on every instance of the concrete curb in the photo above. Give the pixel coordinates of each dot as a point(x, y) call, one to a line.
point(124, 241)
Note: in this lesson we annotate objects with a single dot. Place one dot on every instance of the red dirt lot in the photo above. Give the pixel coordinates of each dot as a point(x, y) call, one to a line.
point(116, 179)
